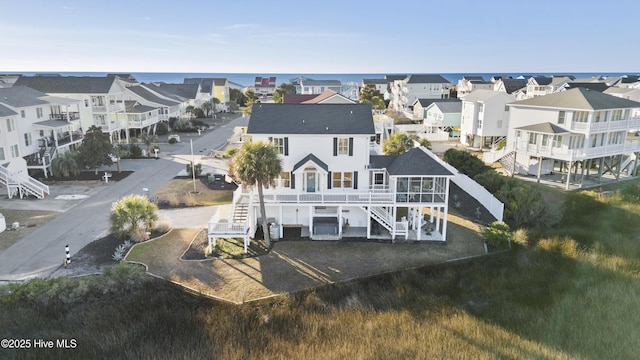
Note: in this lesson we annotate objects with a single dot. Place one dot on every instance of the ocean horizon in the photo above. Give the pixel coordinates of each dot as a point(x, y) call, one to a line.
point(247, 79)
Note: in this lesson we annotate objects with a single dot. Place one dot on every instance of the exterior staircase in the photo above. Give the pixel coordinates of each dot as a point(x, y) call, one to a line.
point(384, 218)
point(505, 156)
point(22, 185)
point(629, 163)
point(240, 212)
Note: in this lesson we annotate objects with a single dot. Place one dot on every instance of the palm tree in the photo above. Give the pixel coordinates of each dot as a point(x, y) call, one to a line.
point(258, 163)
point(120, 151)
point(66, 165)
point(131, 213)
point(397, 144)
point(148, 141)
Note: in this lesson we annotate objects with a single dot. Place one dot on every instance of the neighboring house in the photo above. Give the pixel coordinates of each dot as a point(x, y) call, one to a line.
point(469, 83)
point(7, 80)
point(628, 93)
point(443, 116)
point(189, 93)
point(46, 126)
point(578, 130)
point(406, 91)
point(265, 86)
point(149, 96)
point(141, 116)
point(214, 87)
point(543, 85)
point(484, 118)
point(382, 85)
point(326, 97)
point(332, 187)
point(101, 99)
point(319, 86)
point(9, 136)
point(595, 86)
point(515, 87)
point(630, 81)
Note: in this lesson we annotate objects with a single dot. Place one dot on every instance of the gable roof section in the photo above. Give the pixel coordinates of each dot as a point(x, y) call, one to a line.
point(134, 107)
point(68, 84)
point(186, 91)
point(326, 96)
point(427, 79)
point(206, 84)
point(5, 111)
point(542, 80)
point(544, 128)
point(416, 162)
point(296, 98)
point(473, 78)
point(483, 95)
point(449, 107)
point(426, 102)
point(321, 83)
point(149, 96)
point(21, 96)
point(580, 99)
point(375, 81)
point(392, 78)
point(511, 85)
point(338, 119)
point(313, 159)
point(630, 79)
point(595, 86)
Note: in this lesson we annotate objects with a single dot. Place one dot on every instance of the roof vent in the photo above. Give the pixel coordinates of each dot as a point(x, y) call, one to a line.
point(303, 121)
point(327, 128)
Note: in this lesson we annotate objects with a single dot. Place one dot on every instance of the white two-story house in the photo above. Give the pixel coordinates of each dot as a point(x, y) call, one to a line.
point(331, 186)
point(101, 99)
point(578, 131)
point(484, 118)
point(425, 86)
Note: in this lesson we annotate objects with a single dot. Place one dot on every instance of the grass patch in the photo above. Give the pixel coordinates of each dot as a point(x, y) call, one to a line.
point(29, 221)
point(233, 248)
point(567, 293)
point(179, 191)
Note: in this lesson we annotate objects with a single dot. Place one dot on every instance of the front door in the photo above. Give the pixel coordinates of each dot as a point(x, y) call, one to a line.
point(311, 181)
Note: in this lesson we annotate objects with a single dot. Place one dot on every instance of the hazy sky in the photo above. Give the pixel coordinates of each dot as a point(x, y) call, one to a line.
point(328, 36)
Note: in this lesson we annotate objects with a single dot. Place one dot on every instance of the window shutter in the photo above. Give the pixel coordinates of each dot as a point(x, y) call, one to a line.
point(286, 146)
point(335, 146)
point(355, 180)
point(293, 180)
point(329, 180)
point(350, 146)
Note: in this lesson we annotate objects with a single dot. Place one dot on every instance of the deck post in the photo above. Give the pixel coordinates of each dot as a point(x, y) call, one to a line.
point(568, 175)
point(419, 229)
point(369, 222)
point(539, 168)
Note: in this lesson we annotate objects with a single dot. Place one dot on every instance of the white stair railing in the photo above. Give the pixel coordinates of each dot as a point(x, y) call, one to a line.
point(25, 184)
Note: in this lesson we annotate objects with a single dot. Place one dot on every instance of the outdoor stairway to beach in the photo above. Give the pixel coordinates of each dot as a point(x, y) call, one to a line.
point(22, 185)
point(384, 218)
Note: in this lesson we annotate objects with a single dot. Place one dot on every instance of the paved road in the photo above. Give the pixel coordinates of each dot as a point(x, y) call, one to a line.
point(41, 252)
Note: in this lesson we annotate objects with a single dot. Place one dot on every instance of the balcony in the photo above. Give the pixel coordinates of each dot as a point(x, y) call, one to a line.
point(563, 153)
point(628, 124)
point(118, 107)
point(65, 116)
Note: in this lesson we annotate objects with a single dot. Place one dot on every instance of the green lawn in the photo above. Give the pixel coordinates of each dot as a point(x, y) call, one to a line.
point(572, 292)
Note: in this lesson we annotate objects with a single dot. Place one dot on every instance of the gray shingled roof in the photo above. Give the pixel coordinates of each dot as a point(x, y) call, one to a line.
point(5, 111)
point(598, 86)
point(427, 79)
point(68, 84)
point(448, 107)
point(375, 81)
point(311, 119)
point(21, 96)
point(134, 107)
point(312, 158)
point(381, 161)
point(149, 96)
point(416, 162)
point(187, 91)
point(511, 85)
point(321, 83)
point(544, 128)
point(392, 78)
point(579, 99)
point(542, 80)
point(426, 102)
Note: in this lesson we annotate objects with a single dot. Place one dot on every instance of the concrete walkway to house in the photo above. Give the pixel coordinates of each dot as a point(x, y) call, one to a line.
point(41, 252)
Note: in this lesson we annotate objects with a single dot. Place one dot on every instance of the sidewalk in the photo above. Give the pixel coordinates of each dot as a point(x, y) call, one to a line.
point(42, 252)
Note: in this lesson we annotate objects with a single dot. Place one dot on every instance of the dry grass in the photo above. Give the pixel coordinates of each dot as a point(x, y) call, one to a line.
point(181, 190)
point(29, 220)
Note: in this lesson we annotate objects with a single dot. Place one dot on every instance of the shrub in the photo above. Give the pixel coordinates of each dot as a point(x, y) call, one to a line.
point(190, 200)
point(131, 213)
point(164, 225)
point(173, 141)
point(65, 166)
point(136, 151)
point(172, 199)
point(162, 128)
point(491, 180)
point(173, 121)
point(198, 168)
point(497, 234)
point(465, 162)
point(140, 235)
point(196, 122)
point(230, 152)
point(121, 251)
point(501, 144)
point(525, 207)
point(630, 192)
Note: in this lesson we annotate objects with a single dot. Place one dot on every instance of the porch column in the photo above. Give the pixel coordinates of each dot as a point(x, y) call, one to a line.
point(311, 222)
point(635, 164)
point(619, 167)
point(600, 169)
point(539, 168)
point(55, 138)
point(444, 224)
point(340, 221)
point(420, 216)
point(369, 221)
point(568, 176)
point(513, 169)
point(582, 172)
point(280, 221)
point(438, 219)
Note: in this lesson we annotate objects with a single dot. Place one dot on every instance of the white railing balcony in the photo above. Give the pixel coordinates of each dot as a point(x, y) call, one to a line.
point(369, 197)
point(581, 126)
point(227, 228)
